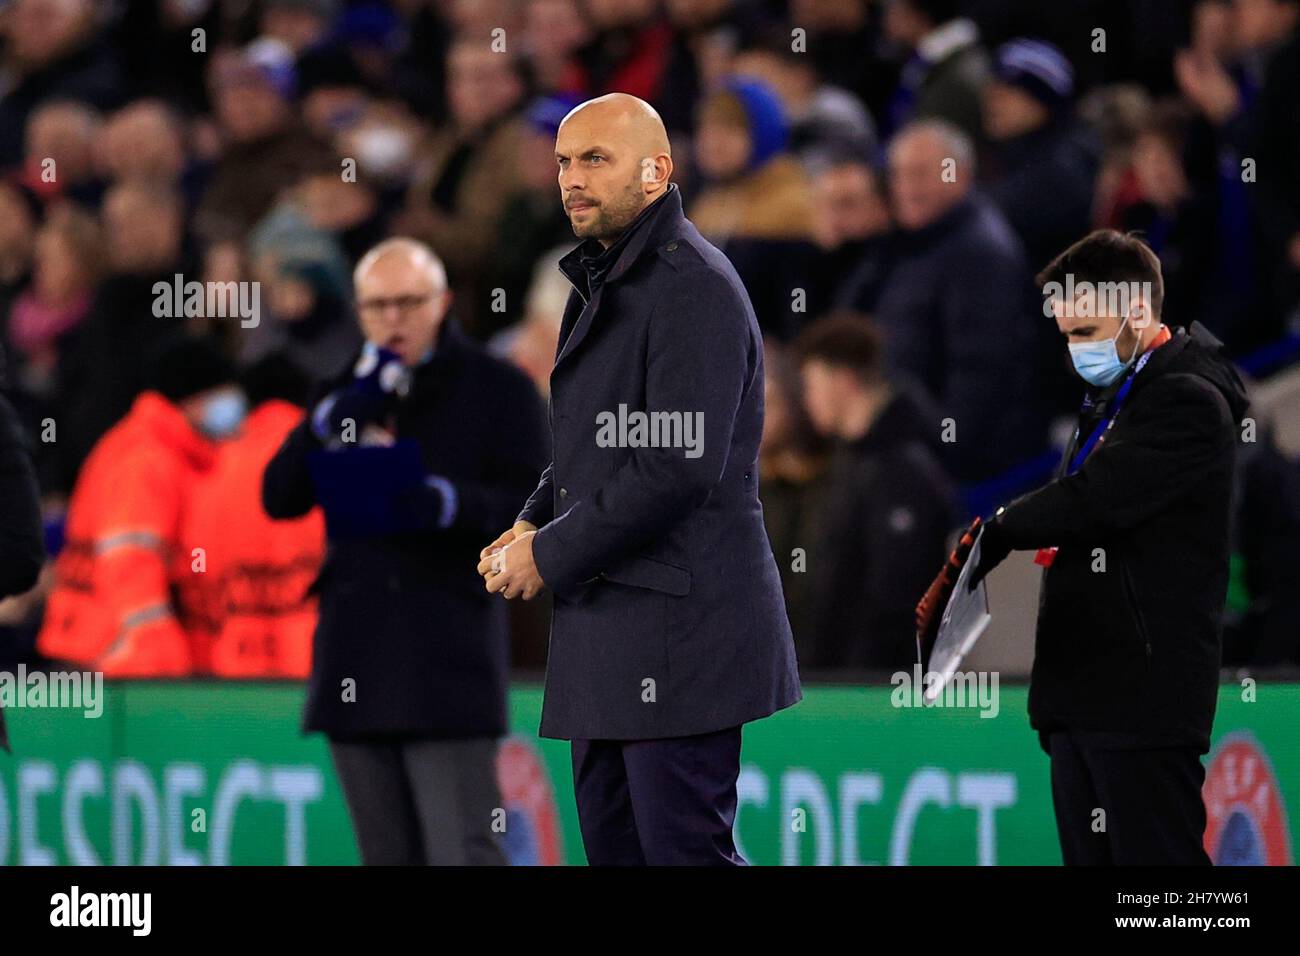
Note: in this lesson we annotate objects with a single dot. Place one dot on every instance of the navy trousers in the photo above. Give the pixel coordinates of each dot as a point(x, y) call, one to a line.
point(1153, 811)
point(669, 802)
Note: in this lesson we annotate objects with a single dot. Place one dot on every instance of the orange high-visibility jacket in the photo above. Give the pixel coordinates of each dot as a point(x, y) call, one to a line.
point(111, 607)
point(256, 618)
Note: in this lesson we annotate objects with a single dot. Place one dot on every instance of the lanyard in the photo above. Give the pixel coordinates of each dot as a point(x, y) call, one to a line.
point(1098, 433)
point(1046, 556)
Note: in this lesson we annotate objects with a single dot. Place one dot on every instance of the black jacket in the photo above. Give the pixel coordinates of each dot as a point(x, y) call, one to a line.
point(1131, 609)
point(959, 311)
point(22, 543)
point(406, 616)
point(668, 617)
point(888, 509)
point(1058, 160)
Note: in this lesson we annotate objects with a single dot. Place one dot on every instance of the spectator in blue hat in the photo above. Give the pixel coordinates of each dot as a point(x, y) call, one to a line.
point(826, 121)
point(756, 204)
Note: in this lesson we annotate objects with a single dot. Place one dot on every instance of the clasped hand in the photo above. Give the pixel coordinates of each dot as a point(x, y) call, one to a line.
point(507, 564)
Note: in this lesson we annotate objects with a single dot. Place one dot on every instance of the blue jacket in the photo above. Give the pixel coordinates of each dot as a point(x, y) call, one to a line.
point(668, 617)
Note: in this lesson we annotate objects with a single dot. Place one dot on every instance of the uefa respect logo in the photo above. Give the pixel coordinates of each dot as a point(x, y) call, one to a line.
point(532, 832)
point(1246, 821)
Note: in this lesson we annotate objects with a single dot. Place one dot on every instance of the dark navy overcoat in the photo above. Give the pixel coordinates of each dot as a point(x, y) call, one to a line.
point(668, 616)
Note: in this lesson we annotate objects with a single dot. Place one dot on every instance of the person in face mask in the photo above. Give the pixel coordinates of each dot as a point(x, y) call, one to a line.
point(221, 412)
point(114, 605)
point(1133, 536)
point(1097, 361)
point(247, 612)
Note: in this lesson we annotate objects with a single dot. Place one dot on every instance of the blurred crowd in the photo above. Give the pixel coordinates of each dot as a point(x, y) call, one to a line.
point(912, 376)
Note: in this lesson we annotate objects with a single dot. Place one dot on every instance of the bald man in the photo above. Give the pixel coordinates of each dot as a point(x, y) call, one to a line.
point(669, 631)
point(955, 306)
point(409, 659)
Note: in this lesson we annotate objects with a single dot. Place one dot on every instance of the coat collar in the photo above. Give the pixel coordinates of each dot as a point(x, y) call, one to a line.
point(660, 219)
point(1158, 364)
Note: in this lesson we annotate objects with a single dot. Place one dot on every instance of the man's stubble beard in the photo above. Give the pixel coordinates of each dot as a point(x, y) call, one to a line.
point(613, 216)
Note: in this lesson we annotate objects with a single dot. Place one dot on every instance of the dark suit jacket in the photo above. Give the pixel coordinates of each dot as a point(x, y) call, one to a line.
point(405, 615)
point(669, 619)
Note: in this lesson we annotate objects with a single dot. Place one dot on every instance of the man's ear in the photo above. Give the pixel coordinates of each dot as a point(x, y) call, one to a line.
point(1139, 313)
point(656, 171)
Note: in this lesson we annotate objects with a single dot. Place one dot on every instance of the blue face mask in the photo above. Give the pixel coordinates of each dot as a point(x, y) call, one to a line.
point(223, 414)
point(1098, 363)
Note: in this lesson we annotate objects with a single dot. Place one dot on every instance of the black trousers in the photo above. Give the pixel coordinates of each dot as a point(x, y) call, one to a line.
point(422, 802)
point(669, 802)
point(1127, 807)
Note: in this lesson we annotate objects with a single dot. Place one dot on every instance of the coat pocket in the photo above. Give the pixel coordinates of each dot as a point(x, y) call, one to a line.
point(640, 572)
point(1135, 609)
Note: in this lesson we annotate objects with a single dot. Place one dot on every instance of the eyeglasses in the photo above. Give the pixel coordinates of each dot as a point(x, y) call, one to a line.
point(405, 304)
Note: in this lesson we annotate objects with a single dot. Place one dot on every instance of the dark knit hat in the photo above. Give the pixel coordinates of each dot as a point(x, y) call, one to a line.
point(183, 366)
point(1038, 68)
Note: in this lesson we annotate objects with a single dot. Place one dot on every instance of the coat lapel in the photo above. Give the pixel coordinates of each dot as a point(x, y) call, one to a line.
point(663, 220)
point(580, 326)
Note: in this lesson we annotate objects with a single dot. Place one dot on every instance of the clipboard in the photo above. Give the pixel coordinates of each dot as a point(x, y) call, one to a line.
point(965, 618)
point(357, 487)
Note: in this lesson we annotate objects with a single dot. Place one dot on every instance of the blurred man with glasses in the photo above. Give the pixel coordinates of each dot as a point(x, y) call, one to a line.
point(408, 676)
